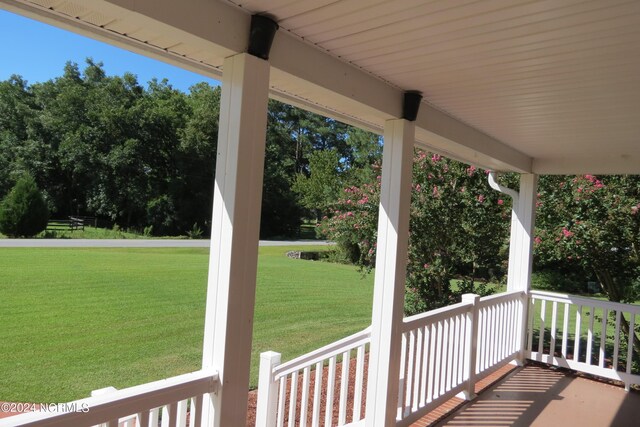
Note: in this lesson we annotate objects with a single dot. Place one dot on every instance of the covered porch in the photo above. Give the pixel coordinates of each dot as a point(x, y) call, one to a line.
point(508, 86)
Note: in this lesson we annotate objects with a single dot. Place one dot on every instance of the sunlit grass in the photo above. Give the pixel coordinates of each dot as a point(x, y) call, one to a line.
point(75, 320)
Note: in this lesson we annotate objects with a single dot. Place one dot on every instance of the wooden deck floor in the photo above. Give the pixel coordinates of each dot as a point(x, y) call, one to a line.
point(543, 396)
point(455, 403)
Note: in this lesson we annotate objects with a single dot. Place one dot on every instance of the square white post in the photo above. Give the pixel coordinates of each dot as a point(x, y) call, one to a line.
point(391, 264)
point(234, 237)
point(267, 406)
point(521, 249)
point(471, 345)
point(521, 239)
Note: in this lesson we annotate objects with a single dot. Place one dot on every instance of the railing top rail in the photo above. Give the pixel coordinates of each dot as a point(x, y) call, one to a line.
point(585, 301)
point(330, 350)
point(122, 403)
point(436, 315)
point(501, 297)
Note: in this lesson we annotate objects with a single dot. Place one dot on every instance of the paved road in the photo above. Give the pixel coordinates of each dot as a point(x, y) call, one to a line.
point(136, 243)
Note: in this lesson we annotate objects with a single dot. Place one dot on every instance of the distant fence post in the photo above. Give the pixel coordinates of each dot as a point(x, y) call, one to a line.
point(267, 390)
point(471, 344)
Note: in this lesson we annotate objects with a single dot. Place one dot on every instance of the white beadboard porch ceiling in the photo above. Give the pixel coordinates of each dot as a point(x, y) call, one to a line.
point(550, 86)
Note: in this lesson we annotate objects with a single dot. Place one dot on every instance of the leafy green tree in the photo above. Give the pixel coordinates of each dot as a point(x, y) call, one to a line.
point(364, 156)
point(281, 211)
point(16, 114)
point(144, 157)
point(322, 187)
point(196, 159)
point(23, 212)
point(307, 132)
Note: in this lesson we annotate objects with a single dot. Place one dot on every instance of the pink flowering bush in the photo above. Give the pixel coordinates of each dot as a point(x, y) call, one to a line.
point(590, 227)
point(458, 229)
point(591, 224)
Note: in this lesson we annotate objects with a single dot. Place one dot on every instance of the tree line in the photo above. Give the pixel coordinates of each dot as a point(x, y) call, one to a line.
point(143, 158)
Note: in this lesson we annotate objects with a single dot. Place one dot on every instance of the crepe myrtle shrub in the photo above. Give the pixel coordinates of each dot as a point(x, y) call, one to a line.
point(458, 230)
point(23, 212)
point(591, 225)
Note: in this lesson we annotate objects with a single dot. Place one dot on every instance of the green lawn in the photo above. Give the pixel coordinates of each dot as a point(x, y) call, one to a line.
point(74, 320)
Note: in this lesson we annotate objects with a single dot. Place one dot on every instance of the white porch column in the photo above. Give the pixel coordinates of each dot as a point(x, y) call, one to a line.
point(521, 250)
point(521, 240)
point(391, 263)
point(234, 236)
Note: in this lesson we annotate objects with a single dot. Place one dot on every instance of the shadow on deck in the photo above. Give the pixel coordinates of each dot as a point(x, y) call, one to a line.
point(544, 396)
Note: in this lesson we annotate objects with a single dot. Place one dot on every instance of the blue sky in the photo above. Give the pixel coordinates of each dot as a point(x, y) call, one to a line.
point(38, 52)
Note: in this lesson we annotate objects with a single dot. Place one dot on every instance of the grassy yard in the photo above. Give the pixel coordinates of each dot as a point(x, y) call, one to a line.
point(74, 320)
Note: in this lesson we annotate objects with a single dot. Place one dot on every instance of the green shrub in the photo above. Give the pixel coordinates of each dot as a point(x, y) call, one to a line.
point(23, 212)
point(195, 232)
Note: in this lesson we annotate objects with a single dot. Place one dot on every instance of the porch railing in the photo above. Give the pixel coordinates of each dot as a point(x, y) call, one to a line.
point(330, 385)
point(173, 402)
point(445, 351)
point(584, 334)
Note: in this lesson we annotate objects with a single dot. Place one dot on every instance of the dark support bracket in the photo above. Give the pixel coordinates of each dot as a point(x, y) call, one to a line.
point(411, 105)
point(263, 29)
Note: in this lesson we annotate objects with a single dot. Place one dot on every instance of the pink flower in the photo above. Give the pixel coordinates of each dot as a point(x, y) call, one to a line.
point(435, 158)
point(471, 170)
point(566, 232)
point(481, 198)
point(364, 200)
point(635, 209)
point(436, 193)
point(349, 213)
point(418, 188)
point(537, 240)
point(500, 202)
point(426, 266)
